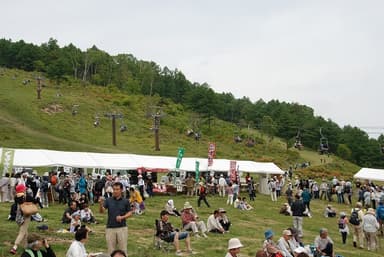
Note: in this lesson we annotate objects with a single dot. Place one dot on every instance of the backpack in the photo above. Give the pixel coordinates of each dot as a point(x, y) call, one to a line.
point(380, 212)
point(341, 223)
point(54, 180)
point(44, 186)
point(354, 219)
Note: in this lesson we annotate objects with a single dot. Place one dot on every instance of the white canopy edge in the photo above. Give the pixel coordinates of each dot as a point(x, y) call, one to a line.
point(50, 158)
point(370, 174)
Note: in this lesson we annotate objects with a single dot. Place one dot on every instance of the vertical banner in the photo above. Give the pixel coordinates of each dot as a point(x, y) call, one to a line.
point(6, 161)
point(211, 153)
point(232, 171)
point(197, 171)
point(180, 155)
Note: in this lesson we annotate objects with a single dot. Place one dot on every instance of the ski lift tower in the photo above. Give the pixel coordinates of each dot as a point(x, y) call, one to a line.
point(156, 115)
point(113, 117)
point(39, 87)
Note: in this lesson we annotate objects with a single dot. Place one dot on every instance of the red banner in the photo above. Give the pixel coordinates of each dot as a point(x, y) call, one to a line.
point(211, 153)
point(232, 170)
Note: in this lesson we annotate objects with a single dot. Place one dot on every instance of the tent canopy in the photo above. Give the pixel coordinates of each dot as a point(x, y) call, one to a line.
point(50, 158)
point(370, 174)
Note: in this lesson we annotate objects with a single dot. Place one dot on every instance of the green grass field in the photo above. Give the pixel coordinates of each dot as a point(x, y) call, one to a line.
point(249, 226)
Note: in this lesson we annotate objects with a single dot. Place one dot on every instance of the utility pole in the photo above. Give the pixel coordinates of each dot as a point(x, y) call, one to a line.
point(113, 116)
point(38, 89)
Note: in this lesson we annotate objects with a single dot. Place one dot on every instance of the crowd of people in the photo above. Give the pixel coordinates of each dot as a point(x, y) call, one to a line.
point(120, 201)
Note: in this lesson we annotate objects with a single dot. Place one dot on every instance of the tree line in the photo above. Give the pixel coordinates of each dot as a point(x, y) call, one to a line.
point(290, 121)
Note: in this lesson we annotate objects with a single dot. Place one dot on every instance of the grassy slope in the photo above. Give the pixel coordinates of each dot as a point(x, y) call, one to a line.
point(26, 122)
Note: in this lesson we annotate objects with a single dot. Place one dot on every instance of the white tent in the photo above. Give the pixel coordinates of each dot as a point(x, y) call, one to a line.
point(370, 174)
point(49, 158)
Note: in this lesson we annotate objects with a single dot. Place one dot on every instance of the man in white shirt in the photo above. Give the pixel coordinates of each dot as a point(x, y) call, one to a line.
point(222, 185)
point(283, 243)
point(213, 224)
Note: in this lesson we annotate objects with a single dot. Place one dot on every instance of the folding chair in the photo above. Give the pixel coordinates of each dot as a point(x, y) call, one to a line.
point(159, 243)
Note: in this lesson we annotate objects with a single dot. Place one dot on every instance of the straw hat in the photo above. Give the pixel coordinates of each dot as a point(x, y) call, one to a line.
point(221, 210)
point(33, 237)
point(187, 205)
point(234, 243)
point(371, 211)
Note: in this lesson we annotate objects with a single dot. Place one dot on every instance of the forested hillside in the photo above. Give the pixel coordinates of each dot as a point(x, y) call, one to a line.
point(123, 73)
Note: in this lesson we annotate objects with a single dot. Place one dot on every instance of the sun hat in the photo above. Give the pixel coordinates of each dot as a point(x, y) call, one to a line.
point(20, 188)
point(287, 232)
point(221, 210)
point(187, 205)
point(234, 243)
point(300, 249)
point(268, 234)
point(342, 214)
point(371, 211)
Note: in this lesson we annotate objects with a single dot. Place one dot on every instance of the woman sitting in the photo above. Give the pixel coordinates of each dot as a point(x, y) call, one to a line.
point(171, 209)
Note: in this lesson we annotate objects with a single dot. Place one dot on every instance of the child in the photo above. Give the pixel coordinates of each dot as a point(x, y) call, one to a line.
point(343, 226)
point(75, 221)
point(86, 215)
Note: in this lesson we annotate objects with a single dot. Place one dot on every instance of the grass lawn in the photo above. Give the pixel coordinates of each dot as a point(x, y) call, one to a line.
point(248, 226)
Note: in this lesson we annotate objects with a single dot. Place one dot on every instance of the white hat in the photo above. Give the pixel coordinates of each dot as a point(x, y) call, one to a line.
point(300, 249)
point(234, 243)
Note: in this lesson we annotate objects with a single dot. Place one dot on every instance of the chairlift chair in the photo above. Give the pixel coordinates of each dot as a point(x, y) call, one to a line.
point(298, 145)
point(96, 123)
point(123, 126)
point(323, 147)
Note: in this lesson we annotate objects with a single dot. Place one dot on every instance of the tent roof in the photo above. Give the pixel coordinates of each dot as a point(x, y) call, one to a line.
point(43, 158)
point(370, 174)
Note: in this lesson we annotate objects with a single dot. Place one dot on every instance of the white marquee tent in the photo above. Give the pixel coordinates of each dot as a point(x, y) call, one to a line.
point(370, 174)
point(49, 158)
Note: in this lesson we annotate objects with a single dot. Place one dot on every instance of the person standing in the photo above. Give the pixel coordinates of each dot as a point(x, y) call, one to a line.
point(358, 235)
point(343, 227)
point(370, 227)
point(202, 195)
point(222, 185)
point(35, 243)
point(234, 246)
point(21, 220)
point(119, 210)
point(298, 209)
point(190, 184)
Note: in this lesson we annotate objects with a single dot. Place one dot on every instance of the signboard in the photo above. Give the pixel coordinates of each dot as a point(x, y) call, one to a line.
point(180, 155)
point(211, 153)
point(232, 171)
point(6, 162)
point(197, 171)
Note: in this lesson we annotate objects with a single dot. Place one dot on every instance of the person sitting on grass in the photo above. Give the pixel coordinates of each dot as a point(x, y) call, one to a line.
point(234, 246)
point(329, 212)
point(190, 221)
point(171, 209)
point(77, 248)
point(324, 244)
point(75, 222)
point(118, 253)
point(136, 200)
point(167, 233)
point(35, 243)
point(213, 224)
point(86, 215)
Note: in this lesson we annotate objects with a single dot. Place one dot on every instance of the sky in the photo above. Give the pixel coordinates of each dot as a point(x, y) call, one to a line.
point(326, 54)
